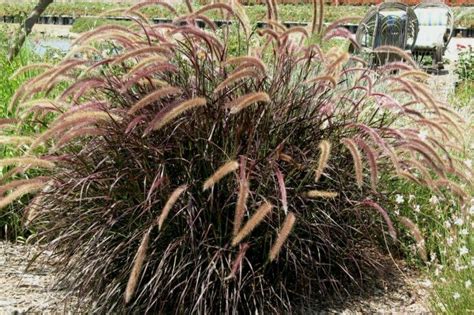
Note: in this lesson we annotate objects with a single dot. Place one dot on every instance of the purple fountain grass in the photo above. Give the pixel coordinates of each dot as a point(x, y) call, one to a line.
point(152, 134)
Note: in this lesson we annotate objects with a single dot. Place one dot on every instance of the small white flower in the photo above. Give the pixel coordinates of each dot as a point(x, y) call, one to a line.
point(468, 163)
point(417, 208)
point(423, 134)
point(463, 250)
point(447, 224)
point(399, 199)
point(449, 241)
point(467, 284)
point(456, 295)
point(434, 200)
point(458, 221)
point(471, 210)
point(464, 232)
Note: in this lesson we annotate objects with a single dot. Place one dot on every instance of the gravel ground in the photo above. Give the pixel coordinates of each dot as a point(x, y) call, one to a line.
point(28, 289)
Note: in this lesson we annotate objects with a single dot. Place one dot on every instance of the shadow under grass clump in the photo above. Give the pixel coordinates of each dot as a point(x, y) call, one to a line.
point(181, 179)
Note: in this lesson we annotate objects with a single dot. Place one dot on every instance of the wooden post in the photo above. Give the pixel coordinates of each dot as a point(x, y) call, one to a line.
point(26, 27)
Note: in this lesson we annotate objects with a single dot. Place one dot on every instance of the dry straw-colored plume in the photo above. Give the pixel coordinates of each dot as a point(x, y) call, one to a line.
point(356, 157)
point(282, 235)
point(21, 191)
point(27, 161)
point(222, 171)
point(415, 231)
point(247, 100)
point(16, 140)
point(141, 51)
point(33, 66)
point(153, 97)
point(241, 200)
point(169, 204)
point(252, 223)
point(325, 148)
point(137, 267)
point(248, 61)
point(323, 78)
point(321, 194)
point(164, 118)
point(246, 73)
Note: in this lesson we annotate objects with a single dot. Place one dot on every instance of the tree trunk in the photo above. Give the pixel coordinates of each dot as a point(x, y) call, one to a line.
point(26, 27)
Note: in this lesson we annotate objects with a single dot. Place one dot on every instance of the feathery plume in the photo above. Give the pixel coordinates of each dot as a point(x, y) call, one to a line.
point(420, 241)
point(137, 266)
point(325, 148)
point(167, 114)
point(240, 13)
point(281, 185)
point(242, 198)
point(80, 120)
point(169, 204)
point(154, 60)
point(238, 260)
point(282, 235)
point(31, 211)
point(162, 49)
point(247, 100)
point(350, 144)
point(20, 182)
point(251, 61)
point(383, 213)
point(33, 66)
point(369, 152)
point(16, 140)
point(27, 161)
point(143, 4)
point(415, 73)
point(328, 78)
point(398, 51)
point(259, 215)
point(153, 97)
point(86, 131)
point(321, 194)
point(220, 173)
point(295, 29)
point(104, 30)
point(19, 192)
point(236, 76)
point(314, 23)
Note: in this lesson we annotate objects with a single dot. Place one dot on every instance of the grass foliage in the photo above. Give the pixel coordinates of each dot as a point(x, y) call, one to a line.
point(179, 178)
point(11, 216)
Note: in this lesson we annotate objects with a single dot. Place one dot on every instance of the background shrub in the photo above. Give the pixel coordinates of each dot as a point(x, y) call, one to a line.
point(181, 179)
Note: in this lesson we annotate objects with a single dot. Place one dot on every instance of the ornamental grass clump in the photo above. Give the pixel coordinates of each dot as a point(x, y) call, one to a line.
point(178, 179)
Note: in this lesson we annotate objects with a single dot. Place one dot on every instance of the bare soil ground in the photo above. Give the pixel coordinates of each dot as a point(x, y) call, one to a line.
point(26, 288)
